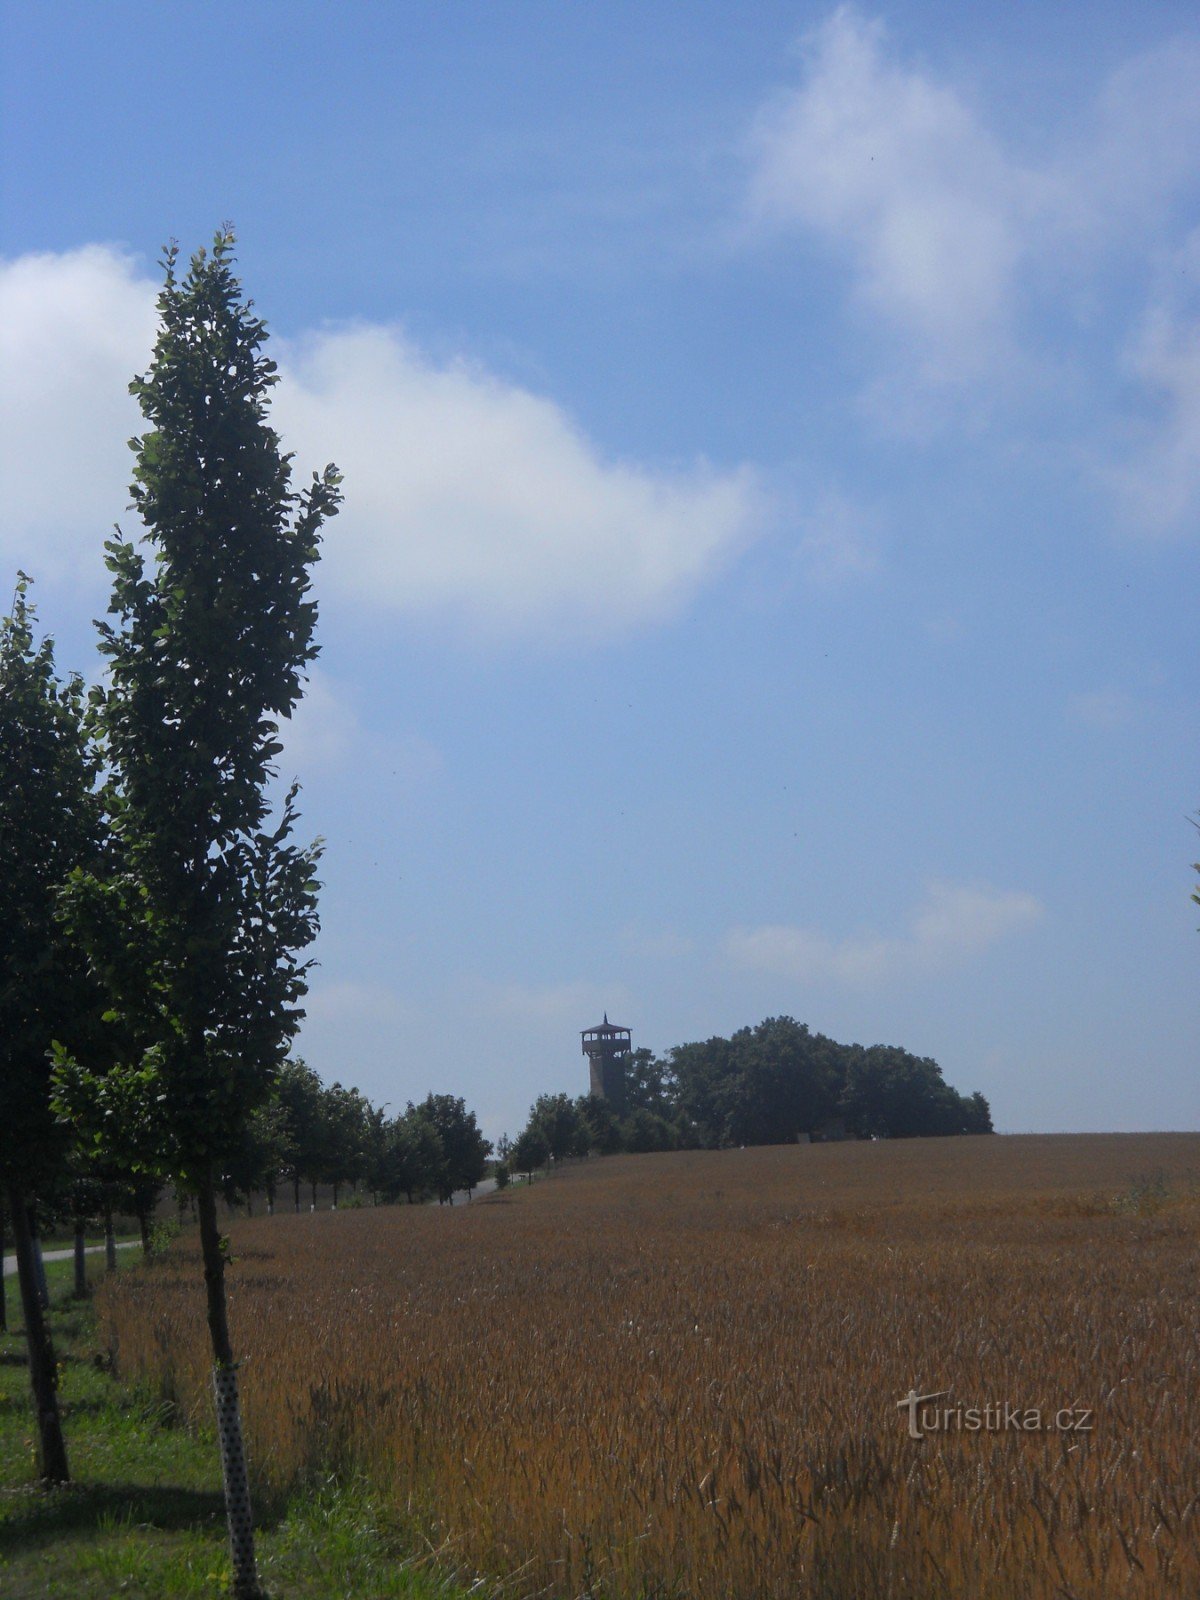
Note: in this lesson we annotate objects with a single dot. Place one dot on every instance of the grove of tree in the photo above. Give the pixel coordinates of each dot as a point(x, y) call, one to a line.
point(769, 1084)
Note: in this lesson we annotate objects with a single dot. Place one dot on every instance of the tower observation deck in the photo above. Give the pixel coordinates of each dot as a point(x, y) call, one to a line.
point(608, 1048)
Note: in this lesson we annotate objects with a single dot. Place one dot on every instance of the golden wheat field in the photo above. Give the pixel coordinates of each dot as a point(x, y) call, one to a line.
point(680, 1374)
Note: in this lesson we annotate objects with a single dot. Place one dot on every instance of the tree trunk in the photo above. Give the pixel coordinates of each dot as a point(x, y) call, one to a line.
point(39, 1267)
point(296, 1192)
point(43, 1371)
point(143, 1216)
point(110, 1242)
point(229, 1416)
point(81, 1284)
point(3, 1283)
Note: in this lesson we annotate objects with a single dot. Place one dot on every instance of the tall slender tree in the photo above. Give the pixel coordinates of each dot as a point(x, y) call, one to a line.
point(49, 826)
point(212, 635)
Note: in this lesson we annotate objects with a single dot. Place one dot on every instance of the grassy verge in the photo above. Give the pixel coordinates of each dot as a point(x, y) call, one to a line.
point(143, 1516)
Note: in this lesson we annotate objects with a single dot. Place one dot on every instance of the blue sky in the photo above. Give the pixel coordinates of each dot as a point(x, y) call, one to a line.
point(772, 451)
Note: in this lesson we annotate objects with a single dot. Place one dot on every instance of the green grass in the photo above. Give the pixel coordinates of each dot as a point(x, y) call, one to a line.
point(143, 1516)
point(60, 1277)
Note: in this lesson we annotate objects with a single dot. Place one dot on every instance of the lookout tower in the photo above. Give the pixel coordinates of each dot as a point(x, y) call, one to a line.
point(607, 1048)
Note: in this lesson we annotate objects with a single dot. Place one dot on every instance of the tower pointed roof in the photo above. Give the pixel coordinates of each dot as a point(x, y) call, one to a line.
point(607, 1027)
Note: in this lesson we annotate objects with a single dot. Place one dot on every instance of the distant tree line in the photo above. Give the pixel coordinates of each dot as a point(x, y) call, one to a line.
point(770, 1084)
point(307, 1139)
point(308, 1136)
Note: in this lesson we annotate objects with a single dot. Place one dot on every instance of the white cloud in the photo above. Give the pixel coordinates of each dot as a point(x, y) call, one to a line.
point(954, 923)
point(1116, 180)
point(951, 235)
point(896, 170)
point(472, 499)
point(468, 498)
point(74, 329)
point(1158, 485)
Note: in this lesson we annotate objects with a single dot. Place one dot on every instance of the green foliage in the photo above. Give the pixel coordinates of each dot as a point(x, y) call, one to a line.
point(649, 1085)
point(786, 1083)
point(197, 928)
point(308, 1134)
point(562, 1128)
point(646, 1130)
point(774, 1082)
point(531, 1151)
point(50, 825)
point(603, 1130)
point(163, 1233)
point(889, 1093)
point(347, 1134)
point(464, 1149)
point(260, 1154)
point(415, 1158)
point(703, 1072)
point(299, 1094)
point(769, 1084)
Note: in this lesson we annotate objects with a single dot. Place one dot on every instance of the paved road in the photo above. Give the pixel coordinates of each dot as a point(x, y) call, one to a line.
point(461, 1197)
point(10, 1262)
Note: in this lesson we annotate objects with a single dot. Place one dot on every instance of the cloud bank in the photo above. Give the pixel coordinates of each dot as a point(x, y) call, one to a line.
point(980, 264)
point(1158, 485)
point(74, 329)
point(954, 923)
point(468, 499)
point(942, 222)
point(471, 498)
point(894, 170)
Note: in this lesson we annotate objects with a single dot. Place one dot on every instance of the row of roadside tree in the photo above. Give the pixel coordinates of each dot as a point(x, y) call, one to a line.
point(155, 905)
point(309, 1137)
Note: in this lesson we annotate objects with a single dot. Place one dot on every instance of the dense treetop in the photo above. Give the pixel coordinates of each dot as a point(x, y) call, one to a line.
point(768, 1084)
